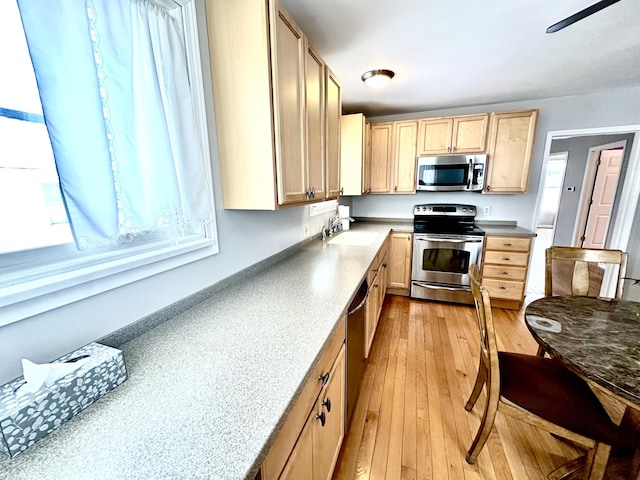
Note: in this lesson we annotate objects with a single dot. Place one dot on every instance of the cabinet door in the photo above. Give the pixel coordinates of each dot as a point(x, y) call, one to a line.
point(381, 155)
point(385, 278)
point(382, 290)
point(327, 438)
point(288, 50)
point(366, 161)
point(300, 463)
point(510, 147)
point(405, 139)
point(333, 111)
point(352, 152)
point(469, 134)
point(239, 46)
point(434, 136)
point(371, 314)
point(315, 115)
point(399, 275)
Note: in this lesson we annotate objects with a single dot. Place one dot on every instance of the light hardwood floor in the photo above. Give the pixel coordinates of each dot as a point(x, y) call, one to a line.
point(410, 422)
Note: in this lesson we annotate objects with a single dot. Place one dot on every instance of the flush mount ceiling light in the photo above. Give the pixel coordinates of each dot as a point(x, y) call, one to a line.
point(377, 78)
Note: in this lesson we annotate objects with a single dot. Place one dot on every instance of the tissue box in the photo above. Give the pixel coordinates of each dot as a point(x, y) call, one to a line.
point(25, 419)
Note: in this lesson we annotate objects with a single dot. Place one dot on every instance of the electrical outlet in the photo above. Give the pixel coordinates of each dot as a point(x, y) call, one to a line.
point(486, 211)
point(305, 230)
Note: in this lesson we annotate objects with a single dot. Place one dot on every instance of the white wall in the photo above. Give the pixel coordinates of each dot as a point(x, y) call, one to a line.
point(565, 113)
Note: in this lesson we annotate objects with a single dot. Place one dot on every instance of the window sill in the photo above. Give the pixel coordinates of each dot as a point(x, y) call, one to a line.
point(42, 295)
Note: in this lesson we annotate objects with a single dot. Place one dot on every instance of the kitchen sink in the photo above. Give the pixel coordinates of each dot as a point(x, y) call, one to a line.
point(358, 238)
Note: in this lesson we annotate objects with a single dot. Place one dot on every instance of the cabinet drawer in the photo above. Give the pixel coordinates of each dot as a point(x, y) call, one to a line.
point(510, 244)
point(504, 289)
point(286, 439)
point(506, 258)
point(503, 272)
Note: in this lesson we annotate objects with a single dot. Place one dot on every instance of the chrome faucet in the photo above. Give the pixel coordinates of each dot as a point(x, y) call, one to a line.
point(333, 224)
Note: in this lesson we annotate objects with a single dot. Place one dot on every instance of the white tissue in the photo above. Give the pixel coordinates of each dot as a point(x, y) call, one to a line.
point(44, 374)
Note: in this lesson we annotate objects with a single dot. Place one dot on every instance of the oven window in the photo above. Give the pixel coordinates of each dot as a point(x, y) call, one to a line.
point(446, 175)
point(447, 260)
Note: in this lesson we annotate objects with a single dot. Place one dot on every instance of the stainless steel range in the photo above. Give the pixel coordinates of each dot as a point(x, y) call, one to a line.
point(446, 241)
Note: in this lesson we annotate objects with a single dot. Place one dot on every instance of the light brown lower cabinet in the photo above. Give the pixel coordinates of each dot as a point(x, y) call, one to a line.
point(399, 274)
point(309, 442)
point(504, 269)
point(377, 279)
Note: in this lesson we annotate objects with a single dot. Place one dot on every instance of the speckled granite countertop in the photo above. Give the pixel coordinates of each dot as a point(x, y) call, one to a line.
point(208, 389)
point(506, 229)
point(596, 337)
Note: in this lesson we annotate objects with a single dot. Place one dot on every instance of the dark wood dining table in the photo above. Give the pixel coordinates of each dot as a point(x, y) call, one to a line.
point(599, 339)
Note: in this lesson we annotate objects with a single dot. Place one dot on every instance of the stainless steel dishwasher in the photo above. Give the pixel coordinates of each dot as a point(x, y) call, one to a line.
point(355, 347)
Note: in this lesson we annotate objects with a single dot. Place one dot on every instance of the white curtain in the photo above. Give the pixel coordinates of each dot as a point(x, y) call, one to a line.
point(113, 81)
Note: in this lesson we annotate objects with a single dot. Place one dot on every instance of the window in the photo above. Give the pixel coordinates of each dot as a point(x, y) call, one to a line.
point(109, 172)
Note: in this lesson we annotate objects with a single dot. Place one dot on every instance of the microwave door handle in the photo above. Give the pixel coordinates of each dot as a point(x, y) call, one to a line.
point(448, 240)
point(470, 179)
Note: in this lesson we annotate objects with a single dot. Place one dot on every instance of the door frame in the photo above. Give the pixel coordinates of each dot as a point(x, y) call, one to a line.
point(543, 179)
point(623, 221)
point(588, 183)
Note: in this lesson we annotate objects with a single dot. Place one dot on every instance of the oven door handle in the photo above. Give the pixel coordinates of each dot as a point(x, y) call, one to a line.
point(439, 287)
point(448, 240)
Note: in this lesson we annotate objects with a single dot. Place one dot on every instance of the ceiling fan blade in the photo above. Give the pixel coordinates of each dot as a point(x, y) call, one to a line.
point(596, 7)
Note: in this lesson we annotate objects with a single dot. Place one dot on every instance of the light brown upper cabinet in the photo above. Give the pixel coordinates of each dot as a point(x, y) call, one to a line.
point(333, 108)
point(381, 157)
point(393, 157)
point(269, 97)
point(405, 137)
point(509, 154)
point(355, 154)
point(453, 135)
point(316, 125)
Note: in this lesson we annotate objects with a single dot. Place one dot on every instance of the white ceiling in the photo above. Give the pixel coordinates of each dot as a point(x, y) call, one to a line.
point(451, 53)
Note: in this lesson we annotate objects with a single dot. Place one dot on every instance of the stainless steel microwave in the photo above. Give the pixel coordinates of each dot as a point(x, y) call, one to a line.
point(451, 173)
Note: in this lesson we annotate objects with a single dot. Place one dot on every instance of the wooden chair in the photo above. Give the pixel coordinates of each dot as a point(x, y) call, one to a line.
point(581, 274)
point(576, 271)
point(540, 391)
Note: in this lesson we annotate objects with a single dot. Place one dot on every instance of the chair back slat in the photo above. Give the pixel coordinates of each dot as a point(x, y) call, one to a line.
point(581, 279)
point(585, 272)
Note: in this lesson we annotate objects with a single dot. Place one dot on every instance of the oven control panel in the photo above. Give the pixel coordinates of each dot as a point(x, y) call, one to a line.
point(445, 209)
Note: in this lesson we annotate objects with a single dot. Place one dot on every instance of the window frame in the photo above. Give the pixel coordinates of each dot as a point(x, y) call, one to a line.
point(108, 271)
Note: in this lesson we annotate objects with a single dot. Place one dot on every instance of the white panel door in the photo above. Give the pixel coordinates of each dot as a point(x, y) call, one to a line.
point(604, 194)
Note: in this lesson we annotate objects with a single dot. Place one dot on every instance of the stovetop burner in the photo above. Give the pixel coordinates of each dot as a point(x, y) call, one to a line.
point(445, 218)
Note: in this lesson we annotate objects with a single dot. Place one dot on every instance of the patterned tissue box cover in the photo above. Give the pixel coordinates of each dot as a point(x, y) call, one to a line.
point(27, 418)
